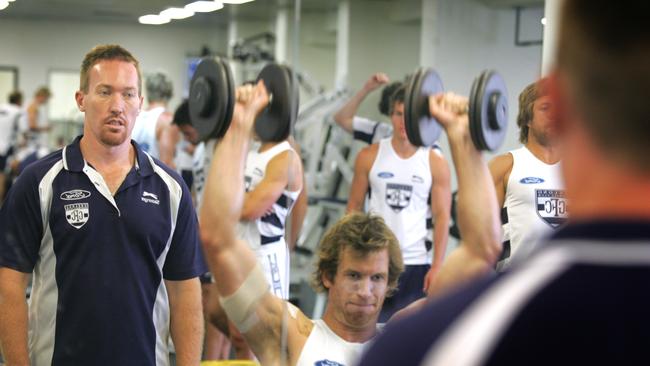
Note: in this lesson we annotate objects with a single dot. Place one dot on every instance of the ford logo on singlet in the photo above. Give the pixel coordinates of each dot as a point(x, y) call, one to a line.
point(327, 363)
point(75, 194)
point(531, 180)
point(385, 175)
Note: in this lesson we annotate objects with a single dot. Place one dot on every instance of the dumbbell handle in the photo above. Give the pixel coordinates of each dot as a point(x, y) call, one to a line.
point(461, 108)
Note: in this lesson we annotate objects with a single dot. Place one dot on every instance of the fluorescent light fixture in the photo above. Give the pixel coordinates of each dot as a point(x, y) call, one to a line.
point(235, 1)
point(3, 4)
point(204, 6)
point(544, 21)
point(153, 19)
point(176, 13)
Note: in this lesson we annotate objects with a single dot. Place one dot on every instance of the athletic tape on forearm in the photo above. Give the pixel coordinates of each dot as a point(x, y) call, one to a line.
point(240, 306)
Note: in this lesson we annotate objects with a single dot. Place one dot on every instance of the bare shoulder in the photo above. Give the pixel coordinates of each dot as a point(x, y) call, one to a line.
point(299, 332)
point(165, 119)
point(368, 154)
point(500, 166)
point(436, 157)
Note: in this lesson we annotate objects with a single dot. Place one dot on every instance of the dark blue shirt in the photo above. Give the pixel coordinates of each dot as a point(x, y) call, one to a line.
point(98, 259)
point(582, 299)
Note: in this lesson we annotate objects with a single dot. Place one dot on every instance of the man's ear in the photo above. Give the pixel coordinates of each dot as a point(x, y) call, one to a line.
point(79, 98)
point(327, 282)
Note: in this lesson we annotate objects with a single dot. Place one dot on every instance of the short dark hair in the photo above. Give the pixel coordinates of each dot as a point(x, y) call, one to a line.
point(386, 94)
point(397, 97)
point(159, 87)
point(106, 52)
point(364, 234)
point(182, 114)
point(15, 97)
point(527, 99)
point(603, 54)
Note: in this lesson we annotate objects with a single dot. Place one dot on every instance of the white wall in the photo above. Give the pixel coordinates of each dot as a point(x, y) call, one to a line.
point(381, 41)
point(471, 38)
point(36, 47)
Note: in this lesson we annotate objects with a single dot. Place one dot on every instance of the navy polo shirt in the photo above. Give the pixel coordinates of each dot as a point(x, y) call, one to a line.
point(582, 299)
point(98, 259)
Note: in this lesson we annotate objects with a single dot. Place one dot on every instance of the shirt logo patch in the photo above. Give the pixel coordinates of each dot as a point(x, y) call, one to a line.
point(258, 171)
point(531, 180)
point(327, 363)
point(551, 206)
point(385, 175)
point(77, 214)
point(398, 196)
point(149, 198)
point(75, 194)
point(417, 179)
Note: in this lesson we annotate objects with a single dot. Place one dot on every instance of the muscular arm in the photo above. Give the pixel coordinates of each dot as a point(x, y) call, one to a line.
point(13, 317)
point(258, 201)
point(168, 137)
point(186, 320)
point(298, 213)
point(346, 114)
point(360, 182)
point(478, 217)
point(500, 168)
point(231, 260)
point(299, 210)
point(441, 211)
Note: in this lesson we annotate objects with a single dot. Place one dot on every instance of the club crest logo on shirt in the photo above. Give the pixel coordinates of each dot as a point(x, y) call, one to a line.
point(75, 194)
point(551, 206)
point(327, 363)
point(398, 196)
point(77, 214)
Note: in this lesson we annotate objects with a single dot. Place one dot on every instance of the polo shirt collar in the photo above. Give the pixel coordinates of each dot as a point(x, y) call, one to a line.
point(74, 161)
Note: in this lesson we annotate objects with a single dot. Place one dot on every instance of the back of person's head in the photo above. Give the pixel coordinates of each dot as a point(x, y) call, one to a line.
point(527, 99)
point(397, 98)
point(182, 114)
point(43, 92)
point(385, 104)
point(159, 87)
point(364, 234)
point(15, 98)
point(604, 57)
point(107, 52)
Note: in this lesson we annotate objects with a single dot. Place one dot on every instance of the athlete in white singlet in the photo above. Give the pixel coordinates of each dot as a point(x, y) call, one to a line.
point(529, 189)
point(402, 180)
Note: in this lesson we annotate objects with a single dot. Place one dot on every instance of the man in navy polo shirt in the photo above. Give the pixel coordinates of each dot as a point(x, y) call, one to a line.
point(101, 224)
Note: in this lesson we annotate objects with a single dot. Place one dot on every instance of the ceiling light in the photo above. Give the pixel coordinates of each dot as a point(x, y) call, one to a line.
point(153, 19)
point(204, 6)
point(544, 21)
point(235, 1)
point(176, 13)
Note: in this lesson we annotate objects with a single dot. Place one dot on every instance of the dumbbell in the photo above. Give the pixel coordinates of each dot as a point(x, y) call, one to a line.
point(487, 109)
point(212, 101)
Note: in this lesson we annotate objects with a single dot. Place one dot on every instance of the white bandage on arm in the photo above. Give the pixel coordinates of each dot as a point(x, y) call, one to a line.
point(240, 306)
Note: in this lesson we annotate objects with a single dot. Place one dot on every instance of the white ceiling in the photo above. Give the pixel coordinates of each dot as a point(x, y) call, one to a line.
point(127, 11)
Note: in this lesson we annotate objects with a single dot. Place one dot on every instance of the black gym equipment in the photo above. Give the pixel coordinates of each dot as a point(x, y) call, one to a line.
point(488, 109)
point(212, 100)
